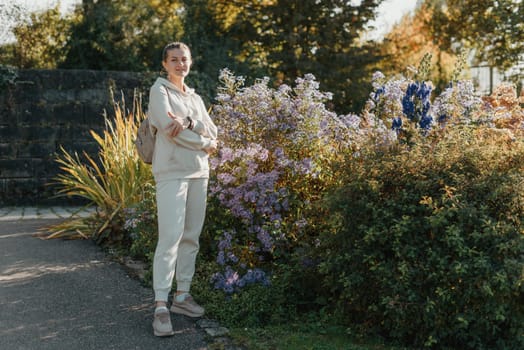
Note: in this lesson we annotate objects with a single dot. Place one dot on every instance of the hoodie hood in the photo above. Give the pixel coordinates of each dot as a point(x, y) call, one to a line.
point(188, 91)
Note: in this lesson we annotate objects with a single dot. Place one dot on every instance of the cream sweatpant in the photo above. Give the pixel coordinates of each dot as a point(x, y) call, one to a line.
point(181, 208)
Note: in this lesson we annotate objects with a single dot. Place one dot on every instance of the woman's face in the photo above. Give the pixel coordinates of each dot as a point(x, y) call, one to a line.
point(177, 63)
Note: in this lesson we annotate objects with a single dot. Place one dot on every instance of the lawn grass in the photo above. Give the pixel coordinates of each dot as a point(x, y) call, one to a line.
point(303, 337)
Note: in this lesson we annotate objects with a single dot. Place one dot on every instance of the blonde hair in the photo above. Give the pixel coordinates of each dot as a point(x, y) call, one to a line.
point(175, 45)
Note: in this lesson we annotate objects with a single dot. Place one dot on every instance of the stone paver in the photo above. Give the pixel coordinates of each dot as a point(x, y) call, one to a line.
point(37, 213)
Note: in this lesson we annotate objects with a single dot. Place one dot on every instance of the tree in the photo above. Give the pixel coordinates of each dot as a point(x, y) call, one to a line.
point(122, 34)
point(40, 37)
point(494, 28)
point(283, 39)
point(41, 41)
point(407, 43)
point(294, 37)
point(211, 49)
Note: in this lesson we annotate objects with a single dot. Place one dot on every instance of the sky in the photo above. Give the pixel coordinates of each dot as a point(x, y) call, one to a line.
point(389, 12)
point(36, 5)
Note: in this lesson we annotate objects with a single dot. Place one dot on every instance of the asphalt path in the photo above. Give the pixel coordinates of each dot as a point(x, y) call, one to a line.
point(67, 294)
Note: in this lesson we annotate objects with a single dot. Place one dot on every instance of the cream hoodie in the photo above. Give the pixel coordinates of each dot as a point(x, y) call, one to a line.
point(181, 156)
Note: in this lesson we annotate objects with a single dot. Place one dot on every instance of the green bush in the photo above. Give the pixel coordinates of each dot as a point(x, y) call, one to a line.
point(141, 226)
point(255, 306)
point(428, 243)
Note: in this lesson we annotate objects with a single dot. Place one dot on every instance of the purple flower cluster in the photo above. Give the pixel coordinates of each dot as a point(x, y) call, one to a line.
point(273, 143)
point(249, 192)
point(230, 281)
point(134, 220)
point(131, 219)
point(225, 252)
point(386, 100)
point(457, 103)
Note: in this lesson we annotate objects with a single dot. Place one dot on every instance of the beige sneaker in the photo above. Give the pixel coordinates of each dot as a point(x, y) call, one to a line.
point(162, 323)
point(188, 307)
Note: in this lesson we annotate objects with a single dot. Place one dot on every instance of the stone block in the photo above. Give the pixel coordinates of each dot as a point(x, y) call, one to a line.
point(25, 191)
point(68, 113)
point(9, 133)
point(39, 113)
point(18, 190)
point(37, 149)
point(16, 168)
point(93, 114)
point(7, 150)
point(46, 169)
point(90, 148)
point(59, 96)
point(94, 94)
point(64, 133)
point(82, 133)
point(35, 133)
point(5, 115)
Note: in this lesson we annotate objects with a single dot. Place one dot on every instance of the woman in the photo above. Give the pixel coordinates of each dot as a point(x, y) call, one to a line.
point(186, 135)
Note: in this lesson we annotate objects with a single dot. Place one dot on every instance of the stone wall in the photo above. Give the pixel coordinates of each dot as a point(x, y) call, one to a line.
point(43, 110)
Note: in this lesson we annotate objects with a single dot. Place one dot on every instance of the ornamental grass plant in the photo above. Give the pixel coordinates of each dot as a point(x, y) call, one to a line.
point(110, 183)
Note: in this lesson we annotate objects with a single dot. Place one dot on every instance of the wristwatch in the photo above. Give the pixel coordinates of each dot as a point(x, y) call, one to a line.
point(190, 123)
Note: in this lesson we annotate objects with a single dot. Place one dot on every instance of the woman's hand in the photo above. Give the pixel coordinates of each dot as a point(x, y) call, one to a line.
point(175, 126)
point(211, 148)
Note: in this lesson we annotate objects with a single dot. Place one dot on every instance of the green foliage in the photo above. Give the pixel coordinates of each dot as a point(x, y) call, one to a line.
point(306, 335)
point(141, 226)
point(210, 48)
point(427, 243)
point(493, 27)
point(256, 305)
point(122, 35)
point(8, 76)
point(294, 38)
point(408, 42)
point(458, 68)
point(40, 41)
point(424, 68)
point(113, 182)
point(282, 39)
